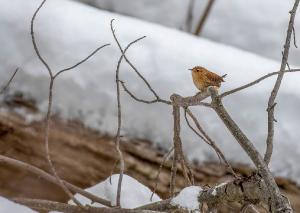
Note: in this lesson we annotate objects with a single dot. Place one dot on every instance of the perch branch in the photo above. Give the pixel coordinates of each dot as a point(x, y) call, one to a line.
point(189, 101)
point(271, 102)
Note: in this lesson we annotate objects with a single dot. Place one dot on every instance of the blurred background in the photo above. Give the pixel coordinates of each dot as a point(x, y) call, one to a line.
point(242, 39)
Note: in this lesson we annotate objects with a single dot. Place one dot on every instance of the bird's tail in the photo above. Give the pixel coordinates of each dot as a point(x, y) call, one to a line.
point(224, 76)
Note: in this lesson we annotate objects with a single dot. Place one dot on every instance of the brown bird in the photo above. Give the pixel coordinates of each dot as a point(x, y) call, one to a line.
point(203, 78)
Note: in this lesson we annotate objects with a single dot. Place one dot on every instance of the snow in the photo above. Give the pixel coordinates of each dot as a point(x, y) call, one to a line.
point(188, 198)
point(9, 206)
point(67, 31)
point(257, 26)
point(133, 194)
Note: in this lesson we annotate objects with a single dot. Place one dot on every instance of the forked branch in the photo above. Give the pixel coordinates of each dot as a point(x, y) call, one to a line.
point(52, 78)
point(271, 102)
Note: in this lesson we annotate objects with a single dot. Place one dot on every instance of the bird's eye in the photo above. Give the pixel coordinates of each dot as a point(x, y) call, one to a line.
point(198, 70)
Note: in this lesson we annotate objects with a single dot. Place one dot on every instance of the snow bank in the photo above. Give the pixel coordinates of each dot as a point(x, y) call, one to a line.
point(67, 31)
point(257, 26)
point(188, 198)
point(9, 206)
point(133, 194)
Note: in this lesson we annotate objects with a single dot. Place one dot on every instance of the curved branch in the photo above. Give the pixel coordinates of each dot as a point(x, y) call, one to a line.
point(130, 64)
point(254, 82)
point(34, 42)
point(207, 139)
point(156, 100)
point(80, 62)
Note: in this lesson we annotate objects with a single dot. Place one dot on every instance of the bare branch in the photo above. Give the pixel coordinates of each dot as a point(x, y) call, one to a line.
point(189, 101)
point(165, 158)
point(131, 65)
point(254, 82)
point(40, 173)
point(118, 137)
point(34, 42)
point(48, 115)
point(271, 102)
point(178, 153)
point(277, 200)
point(190, 16)
point(156, 100)
point(176, 142)
point(251, 190)
point(207, 139)
point(80, 62)
point(46, 141)
point(9, 81)
point(47, 206)
point(47, 119)
point(204, 17)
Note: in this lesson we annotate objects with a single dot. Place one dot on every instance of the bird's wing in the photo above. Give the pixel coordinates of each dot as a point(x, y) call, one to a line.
point(214, 77)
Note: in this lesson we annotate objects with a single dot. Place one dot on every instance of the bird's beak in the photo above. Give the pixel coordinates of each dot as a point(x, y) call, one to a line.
point(190, 69)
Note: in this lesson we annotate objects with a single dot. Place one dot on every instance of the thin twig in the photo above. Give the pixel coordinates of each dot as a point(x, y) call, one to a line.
point(205, 137)
point(254, 82)
point(9, 81)
point(118, 138)
point(273, 95)
point(80, 62)
point(46, 140)
point(294, 37)
point(203, 18)
point(156, 100)
point(34, 42)
point(131, 65)
point(49, 109)
point(165, 158)
point(178, 153)
point(47, 119)
point(113, 169)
